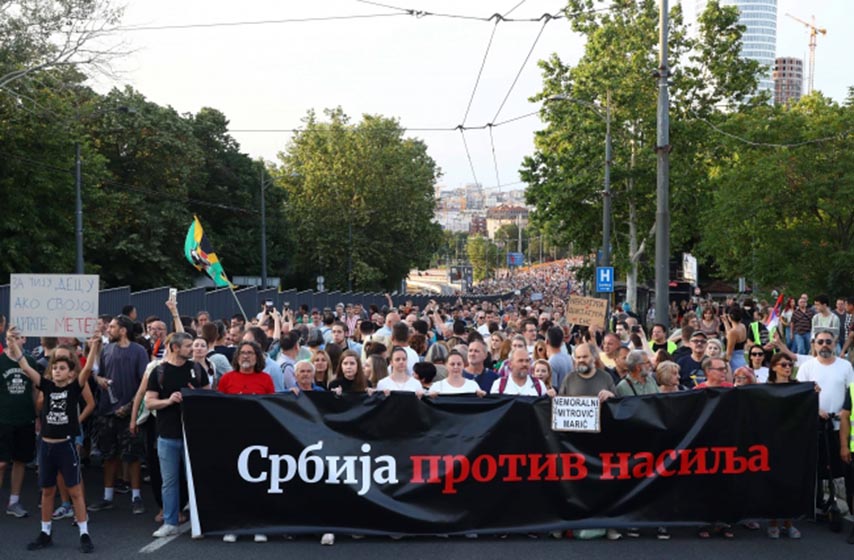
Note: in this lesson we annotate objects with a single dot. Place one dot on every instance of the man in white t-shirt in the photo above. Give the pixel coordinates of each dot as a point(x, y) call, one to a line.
point(519, 382)
point(833, 375)
point(830, 373)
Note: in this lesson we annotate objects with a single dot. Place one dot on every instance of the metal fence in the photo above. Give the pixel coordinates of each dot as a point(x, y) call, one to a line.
point(221, 304)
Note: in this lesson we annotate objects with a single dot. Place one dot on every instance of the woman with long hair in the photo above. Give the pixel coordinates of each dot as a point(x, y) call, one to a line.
point(349, 377)
point(780, 372)
point(736, 337)
point(375, 368)
point(399, 378)
point(542, 370)
point(323, 371)
point(710, 324)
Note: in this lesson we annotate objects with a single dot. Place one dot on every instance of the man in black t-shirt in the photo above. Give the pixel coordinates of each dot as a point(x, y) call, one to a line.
point(164, 395)
point(691, 365)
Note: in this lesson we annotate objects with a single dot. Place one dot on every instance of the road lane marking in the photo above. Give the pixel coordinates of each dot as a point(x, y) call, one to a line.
point(157, 544)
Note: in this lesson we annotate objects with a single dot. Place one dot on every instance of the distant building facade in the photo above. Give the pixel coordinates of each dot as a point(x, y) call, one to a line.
point(788, 80)
point(504, 214)
point(759, 42)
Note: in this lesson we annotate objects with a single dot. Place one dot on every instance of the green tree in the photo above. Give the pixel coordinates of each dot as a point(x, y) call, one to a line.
point(778, 215)
point(227, 197)
point(483, 256)
point(565, 174)
point(360, 198)
point(37, 155)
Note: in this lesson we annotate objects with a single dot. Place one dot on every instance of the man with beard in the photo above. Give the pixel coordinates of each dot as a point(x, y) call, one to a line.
point(585, 379)
point(164, 395)
point(122, 366)
point(640, 380)
point(833, 375)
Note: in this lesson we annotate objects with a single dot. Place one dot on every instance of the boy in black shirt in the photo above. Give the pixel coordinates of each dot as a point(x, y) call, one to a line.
point(59, 427)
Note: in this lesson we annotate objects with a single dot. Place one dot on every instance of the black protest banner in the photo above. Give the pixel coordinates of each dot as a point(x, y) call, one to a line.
point(399, 465)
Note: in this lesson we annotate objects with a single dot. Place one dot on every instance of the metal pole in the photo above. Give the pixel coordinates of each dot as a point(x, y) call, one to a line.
point(78, 180)
point(662, 147)
point(606, 203)
point(263, 232)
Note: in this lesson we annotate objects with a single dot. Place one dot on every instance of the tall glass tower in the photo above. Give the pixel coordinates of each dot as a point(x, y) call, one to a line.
point(760, 38)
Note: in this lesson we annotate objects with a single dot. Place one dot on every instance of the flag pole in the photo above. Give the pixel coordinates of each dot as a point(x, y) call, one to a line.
point(237, 301)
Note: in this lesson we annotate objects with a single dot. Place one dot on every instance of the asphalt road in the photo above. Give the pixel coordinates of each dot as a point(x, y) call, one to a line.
point(118, 534)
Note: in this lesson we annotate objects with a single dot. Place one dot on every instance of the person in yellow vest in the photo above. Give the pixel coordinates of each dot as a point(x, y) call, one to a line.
point(846, 449)
point(659, 340)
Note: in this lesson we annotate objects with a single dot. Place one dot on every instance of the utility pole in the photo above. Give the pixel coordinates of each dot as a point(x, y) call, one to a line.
point(78, 210)
point(662, 147)
point(263, 230)
point(606, 195)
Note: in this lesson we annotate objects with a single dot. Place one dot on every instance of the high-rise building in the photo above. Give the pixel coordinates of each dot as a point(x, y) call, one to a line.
point(759, 42)
point(788, 80)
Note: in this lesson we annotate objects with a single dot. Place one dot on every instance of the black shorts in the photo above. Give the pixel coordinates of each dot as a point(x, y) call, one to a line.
point(58, 458)
point(113, 439)
point(17, 443)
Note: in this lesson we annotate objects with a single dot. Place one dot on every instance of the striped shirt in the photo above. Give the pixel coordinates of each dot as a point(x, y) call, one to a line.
point(802, 320)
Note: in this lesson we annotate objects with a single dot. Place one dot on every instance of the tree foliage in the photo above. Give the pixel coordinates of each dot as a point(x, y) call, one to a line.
point(360, 192)
point(780, 215)
point(39, 35)
point(484, 257)
point(145, 171)
point(565, 174)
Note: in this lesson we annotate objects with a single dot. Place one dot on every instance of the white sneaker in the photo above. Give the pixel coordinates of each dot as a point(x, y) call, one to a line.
point(63, 512)
point(327, 539)
point(165, 530)
point(260, 538)
point(613, 535)
point(229, 538)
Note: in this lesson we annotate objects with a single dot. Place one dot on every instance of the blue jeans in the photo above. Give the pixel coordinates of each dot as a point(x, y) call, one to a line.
point(171, 453)
point(802, 343)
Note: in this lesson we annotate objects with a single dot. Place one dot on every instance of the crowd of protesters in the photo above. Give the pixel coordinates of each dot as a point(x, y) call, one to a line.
point(128, 379)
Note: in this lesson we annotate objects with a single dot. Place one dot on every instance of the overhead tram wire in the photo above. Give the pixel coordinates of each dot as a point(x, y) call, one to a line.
point(468, 154)
point(494, 158)
point(419, 14)
point(177, 26)
point(837, 136)
point(522, 67)
point(405, 128)
point(480, 71)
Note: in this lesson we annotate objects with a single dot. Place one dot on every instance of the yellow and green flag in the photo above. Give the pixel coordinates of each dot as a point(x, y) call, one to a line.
point(199, 252)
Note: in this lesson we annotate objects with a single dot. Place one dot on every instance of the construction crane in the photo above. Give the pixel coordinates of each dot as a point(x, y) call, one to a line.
point(814, 31)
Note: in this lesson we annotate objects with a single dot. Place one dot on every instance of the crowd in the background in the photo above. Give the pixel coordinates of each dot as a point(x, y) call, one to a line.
point(522, 346)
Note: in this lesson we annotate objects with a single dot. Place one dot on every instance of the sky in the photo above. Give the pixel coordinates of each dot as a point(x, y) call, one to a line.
point(420, 70)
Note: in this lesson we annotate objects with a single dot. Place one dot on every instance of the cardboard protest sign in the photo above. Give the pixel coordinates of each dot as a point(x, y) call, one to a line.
point(586, 311)
point(54, 304)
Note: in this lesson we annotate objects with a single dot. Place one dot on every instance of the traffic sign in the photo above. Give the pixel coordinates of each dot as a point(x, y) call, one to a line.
point(605, 279)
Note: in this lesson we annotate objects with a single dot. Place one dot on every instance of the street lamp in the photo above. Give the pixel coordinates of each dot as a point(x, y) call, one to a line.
point(78, 181)
point(606, 194)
